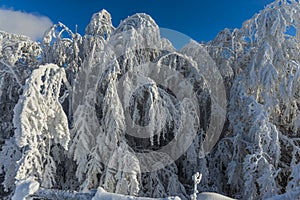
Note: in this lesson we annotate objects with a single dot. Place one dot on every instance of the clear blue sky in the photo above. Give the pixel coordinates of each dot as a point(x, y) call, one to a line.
point(199, 19)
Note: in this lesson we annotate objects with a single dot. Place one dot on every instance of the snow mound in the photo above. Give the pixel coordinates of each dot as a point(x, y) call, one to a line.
point(102, 194)
point(25, 188)
point(212, 196)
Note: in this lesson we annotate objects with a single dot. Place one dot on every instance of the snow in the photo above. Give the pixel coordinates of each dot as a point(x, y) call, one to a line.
point(30, 187)
point(25, 188)
point(212, 196)
point(103, 195)
point(40, 122)
point(121, 110)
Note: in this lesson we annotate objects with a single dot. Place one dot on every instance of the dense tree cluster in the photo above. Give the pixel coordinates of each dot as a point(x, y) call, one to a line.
point(70, 106)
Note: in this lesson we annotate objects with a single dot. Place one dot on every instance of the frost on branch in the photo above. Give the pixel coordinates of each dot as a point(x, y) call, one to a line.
point(61, 47)
point(10, 153)
point(259, 151)
point(122, 175)
point(84, 148)
point(163, 182)
point(136, 82)
point(87, 148)
point(19, 51)
point(40, 124)
point(196, 178)
point(64, 48)
point(100, 25)
point(18, 57)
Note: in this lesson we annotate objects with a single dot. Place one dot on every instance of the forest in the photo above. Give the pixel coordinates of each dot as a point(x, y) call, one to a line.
point(120, 111)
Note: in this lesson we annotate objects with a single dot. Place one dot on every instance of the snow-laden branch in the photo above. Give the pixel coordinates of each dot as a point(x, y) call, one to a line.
point(12, 71)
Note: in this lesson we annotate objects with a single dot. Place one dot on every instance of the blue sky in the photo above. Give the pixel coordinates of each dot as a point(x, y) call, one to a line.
point(199, 19)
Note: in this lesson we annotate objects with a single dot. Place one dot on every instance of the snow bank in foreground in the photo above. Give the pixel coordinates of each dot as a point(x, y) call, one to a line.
point(102, 194)
point(211, 196)
point(30, 188)
point(25, 188)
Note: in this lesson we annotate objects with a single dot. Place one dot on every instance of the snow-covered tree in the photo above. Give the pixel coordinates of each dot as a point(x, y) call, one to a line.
point(117, 90)
point(40, 124)
point(100, 25)
point(84, 148)
point(18, 57)
point(263, 107)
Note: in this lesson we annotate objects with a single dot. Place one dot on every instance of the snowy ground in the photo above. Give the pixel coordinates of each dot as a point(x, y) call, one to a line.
point(29, 189)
